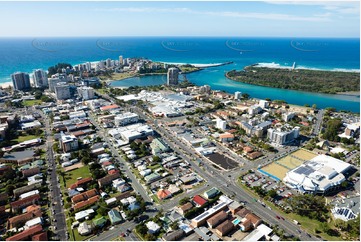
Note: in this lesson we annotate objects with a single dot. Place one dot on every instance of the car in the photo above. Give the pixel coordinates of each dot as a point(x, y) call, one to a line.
point(282, 218)
point(122, 234)
point(278, 217)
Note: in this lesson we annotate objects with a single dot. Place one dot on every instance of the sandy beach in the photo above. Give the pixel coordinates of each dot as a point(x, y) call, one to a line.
point(6, 84)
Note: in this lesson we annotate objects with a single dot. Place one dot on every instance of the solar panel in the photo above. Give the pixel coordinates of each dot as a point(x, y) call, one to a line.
point(202, 216)
point(305, 170)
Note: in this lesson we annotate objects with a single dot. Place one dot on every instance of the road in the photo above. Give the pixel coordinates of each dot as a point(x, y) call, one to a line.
point(134, 181)
point(230, 188)
point(317, 127)
point(55, 192)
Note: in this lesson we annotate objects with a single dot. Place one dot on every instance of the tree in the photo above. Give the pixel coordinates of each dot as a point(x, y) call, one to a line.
point(174, 225)
point(156, 158)
point(314, 106)
point(272, 193)
point(184, 200)
point(9, 189)
point(245, 96)
point(141, 229)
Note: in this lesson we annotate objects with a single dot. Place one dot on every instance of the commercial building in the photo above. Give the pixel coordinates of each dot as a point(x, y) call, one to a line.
point(40, 78)
point(68, 142)
point(320, 175)
point(202, 218)
point(282, 137)
point(62, 91)
point(172, 76)
point(86, 93)
point(21, 81)
point(125, 118)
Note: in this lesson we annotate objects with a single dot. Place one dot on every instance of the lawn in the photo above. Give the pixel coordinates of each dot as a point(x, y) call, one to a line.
point(25, 138)
point(71, 176)
point(30, 103)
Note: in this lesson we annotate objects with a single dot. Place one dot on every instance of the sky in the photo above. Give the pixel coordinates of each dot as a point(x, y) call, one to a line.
point(245, 19)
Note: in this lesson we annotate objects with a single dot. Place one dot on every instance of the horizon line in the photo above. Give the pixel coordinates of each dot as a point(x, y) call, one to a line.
point(180, 36)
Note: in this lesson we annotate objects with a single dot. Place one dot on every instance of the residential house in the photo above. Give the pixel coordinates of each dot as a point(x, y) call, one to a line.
point(108, 179)
point(199, 201)
point(211, 193)
point(114, 216)
point(217, 219)
point(174, 236)
point(22, 203)
point(163, 194)
point(185, 208)
point(224, 228)
point(26, 234)
point(81, 182)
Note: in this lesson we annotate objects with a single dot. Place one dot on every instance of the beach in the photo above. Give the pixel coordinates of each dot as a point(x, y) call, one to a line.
point(6, 84)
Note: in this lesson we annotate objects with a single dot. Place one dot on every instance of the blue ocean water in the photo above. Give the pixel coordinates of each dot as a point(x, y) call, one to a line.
point(27, 54)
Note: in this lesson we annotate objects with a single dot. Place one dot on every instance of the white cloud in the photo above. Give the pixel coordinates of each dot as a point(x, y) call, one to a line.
point(254, 15)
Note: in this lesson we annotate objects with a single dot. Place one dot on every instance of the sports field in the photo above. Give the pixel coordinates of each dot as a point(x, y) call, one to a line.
point(304, 154)
point(276, 170)
point(280, 167)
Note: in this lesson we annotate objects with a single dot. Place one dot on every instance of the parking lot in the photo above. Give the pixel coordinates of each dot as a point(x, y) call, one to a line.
point(267, 184)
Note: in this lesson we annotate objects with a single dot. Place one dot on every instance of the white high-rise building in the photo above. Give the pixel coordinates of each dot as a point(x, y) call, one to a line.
point(86, 92)
point(283, 137)
point(172, 76)
point(40, 78)
point(88, 66)
point(221, 124)
point(62, 91)
point(120, 60)
point(237, 95)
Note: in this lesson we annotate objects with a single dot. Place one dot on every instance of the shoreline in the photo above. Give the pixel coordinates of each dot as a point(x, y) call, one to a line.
point(274, 65)
point(198, 65)
point(347, 93)
point(6, 85)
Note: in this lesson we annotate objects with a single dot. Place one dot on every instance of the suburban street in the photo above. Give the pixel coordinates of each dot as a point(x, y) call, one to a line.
point(134, 181)
point(55, 194)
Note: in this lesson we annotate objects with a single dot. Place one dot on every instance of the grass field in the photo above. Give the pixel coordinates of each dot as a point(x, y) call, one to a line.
point(71, 176)
point(276, 170)
point(25, 138)
point(304, 154)
point(289, 162)
point(30, 103)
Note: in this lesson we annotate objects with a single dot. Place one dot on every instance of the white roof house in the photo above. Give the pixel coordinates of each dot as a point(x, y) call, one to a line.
point(152, 227)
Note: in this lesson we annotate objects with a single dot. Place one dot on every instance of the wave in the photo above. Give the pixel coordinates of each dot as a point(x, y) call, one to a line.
point(280, 66)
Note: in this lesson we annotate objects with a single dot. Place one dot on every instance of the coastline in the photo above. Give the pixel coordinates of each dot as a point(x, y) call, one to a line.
point(6, 85)
point(274, 65)
point(277, 66)
point(198, 65)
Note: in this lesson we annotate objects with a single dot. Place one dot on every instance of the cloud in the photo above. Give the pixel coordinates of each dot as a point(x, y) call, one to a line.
point(252, 15)
point(337, 7)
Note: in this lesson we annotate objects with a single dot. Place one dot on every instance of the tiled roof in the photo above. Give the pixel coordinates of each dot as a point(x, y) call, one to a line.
point(26, 233)
point(199, 200)
point(25, 202)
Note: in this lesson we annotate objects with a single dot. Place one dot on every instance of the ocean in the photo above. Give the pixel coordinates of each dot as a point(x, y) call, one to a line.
point(27, 54)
